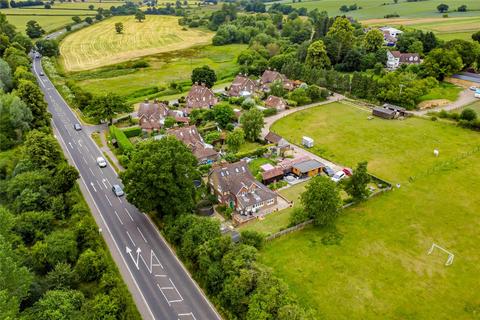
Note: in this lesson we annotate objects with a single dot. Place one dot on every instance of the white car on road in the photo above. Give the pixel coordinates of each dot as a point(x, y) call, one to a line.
point(101, 162)
point(338, 176)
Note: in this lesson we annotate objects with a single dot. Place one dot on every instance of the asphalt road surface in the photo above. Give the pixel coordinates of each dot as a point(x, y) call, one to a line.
point(159, 283)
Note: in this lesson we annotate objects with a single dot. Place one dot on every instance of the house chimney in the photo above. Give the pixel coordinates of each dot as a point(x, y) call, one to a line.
point(146, 101)
point(203, 84)
point(155, 101)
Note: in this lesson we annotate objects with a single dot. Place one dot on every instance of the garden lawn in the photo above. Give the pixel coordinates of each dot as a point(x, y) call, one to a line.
point(277, 221)
point(99, 45)
point(380, 8)
point(444, 90)
point(164, 68)
point(381, 269)
point(255, 164)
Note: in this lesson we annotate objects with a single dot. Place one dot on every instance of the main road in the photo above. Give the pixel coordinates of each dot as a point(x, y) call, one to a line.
point(160, 285)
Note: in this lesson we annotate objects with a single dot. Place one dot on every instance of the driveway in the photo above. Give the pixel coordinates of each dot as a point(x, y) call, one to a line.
point(298, 151)
point(465, 98)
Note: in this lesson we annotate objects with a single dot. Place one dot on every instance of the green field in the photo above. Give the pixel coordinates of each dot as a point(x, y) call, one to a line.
point(379, 8)
point(475, 106)
point(444, 28)
point(381, 269)
point(53, 19)
point(164, 68)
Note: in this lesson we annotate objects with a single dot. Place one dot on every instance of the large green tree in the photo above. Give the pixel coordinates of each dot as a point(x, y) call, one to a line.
point(106, 107)
point(160, 177)
point(30, 93)
point(373, 40)
point(204, 75)
point(57, 305)
point(321, 200)
point(15, 120)
point(252, 123)
point(140, 16)
point(317, 55)
point(41, 149)
point(223, 114)
point(339, 39)
point(34, 30)
point(356, 186)
point(441, 63)
point(235, 139)
point(48, 48)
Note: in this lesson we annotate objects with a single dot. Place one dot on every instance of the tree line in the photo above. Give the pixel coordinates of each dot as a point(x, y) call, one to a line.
point(53, 263)
point(321, 49)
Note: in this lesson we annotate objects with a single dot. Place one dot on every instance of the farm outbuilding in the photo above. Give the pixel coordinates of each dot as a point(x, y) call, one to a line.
point(383, 113)
point(308, 168)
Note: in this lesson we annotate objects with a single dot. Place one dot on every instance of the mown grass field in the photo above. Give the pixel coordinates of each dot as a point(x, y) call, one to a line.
point(475, 106)
point(99, 45)
point(379, 8)
point(58, 16)
point(164, 68)
point(444, 28)
point(381, 269)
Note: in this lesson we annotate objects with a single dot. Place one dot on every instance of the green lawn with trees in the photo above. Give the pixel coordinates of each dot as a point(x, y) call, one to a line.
point(379, 266)
point(158, 72)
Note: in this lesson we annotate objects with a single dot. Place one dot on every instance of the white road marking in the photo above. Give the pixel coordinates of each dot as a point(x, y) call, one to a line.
point(187, 315)
point(118, 217)
point(108, 200)
point(142, 235)
point(129, 251)
point(128, 234)
point(79, 143)
point(91, 171)
point(70, 144)
point(164, 295)
point(103, 181)
point(105, 223)
point(93, 186)
point(68, 132)
point(120, 200)
point(99, 185)
point(129, 214)
point(84, 160)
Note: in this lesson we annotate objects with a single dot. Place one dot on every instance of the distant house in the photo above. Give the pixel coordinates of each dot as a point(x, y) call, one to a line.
point(272, 137)
point(200, 97)
point(308, 168)
point(282, 146)
point(234, 185)
point(242, 86)
point(270, 76)
point(396, 58)
point(151, 115)
point(393, 32)
point(193, 140)
point(276, 103)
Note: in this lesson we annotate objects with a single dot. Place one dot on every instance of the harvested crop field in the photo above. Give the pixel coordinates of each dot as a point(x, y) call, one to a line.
point(100, 45)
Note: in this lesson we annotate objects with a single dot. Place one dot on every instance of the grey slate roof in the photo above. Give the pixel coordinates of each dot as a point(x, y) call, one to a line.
point(308, 165)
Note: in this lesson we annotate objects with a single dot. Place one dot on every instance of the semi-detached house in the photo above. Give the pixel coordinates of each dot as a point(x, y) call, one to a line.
point(235, 186)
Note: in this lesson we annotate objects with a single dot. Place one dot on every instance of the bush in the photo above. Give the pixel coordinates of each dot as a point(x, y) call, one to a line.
point(132, 132)
point(298, 216)
point(269, 112)
point(123, 143)
point(468, 114)
point(257, 152)
point(212, 136)
point(140, 64)
point(433, 118)
point(252, 238)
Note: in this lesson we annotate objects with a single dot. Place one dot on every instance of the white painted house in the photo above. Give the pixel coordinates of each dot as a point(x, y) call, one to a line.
point(396, 58)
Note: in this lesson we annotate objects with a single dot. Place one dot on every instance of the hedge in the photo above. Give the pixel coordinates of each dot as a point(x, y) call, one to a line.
point(256, 152)
point(123, 143)
point(132, 132)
